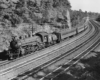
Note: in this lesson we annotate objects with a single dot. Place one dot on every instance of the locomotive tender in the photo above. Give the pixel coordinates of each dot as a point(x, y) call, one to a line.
point(39, 41)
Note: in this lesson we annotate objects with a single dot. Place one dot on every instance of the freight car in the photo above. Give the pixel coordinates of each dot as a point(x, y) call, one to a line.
point(39, 41)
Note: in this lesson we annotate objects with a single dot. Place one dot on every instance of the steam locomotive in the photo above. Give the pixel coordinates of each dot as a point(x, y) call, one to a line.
point(39, 41)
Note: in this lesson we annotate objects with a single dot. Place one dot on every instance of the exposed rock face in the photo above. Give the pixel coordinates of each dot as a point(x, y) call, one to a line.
point(68, 19)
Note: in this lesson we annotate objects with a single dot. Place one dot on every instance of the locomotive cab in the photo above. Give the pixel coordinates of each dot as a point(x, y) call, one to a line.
point(58, 36)
point(44, 37)
point(48, 39)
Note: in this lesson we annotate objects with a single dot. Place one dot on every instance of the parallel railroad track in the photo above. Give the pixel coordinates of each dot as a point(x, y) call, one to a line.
point(50, 75)
point(15, 67)
point(2, 62)
point(65, 67)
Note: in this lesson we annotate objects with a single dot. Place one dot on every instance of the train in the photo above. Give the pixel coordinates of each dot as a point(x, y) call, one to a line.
point(40, 40)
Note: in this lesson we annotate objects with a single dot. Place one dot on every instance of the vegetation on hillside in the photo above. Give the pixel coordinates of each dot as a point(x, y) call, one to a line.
point(77, 16)
point(23, 17)
point(33, 11)
point(98, 18)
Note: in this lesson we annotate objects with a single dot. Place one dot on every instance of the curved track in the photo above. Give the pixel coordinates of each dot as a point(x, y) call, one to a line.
point(65, 67)
point(12, 69)
point(4, 62)
point(45, 65)
point(54, 73)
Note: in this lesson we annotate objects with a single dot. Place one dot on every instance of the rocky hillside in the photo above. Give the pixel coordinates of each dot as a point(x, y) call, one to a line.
point(24, 17)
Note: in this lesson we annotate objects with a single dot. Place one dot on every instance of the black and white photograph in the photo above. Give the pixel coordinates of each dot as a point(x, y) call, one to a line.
point(49, 39)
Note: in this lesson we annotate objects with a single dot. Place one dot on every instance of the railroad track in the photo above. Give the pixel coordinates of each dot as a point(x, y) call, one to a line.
point(56, 70)
point(65, 67)
point(61, 69)
point(12, 67)
point(4, 62)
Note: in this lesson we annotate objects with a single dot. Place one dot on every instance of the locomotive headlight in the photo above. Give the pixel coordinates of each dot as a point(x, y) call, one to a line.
point(6, 49)
point(19, 43)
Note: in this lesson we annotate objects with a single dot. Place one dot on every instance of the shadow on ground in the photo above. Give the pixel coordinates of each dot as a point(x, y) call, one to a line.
point(3, 55)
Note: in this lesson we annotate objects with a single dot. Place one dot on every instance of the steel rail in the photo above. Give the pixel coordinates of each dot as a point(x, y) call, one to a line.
point(65, 67)
point(52, 62)
point(57, 68)
point(7, 62)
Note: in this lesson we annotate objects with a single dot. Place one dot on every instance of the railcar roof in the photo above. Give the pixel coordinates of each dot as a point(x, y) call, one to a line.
point(42, 33)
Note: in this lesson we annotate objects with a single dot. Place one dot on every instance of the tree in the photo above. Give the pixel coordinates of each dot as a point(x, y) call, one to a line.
point(98, 18)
